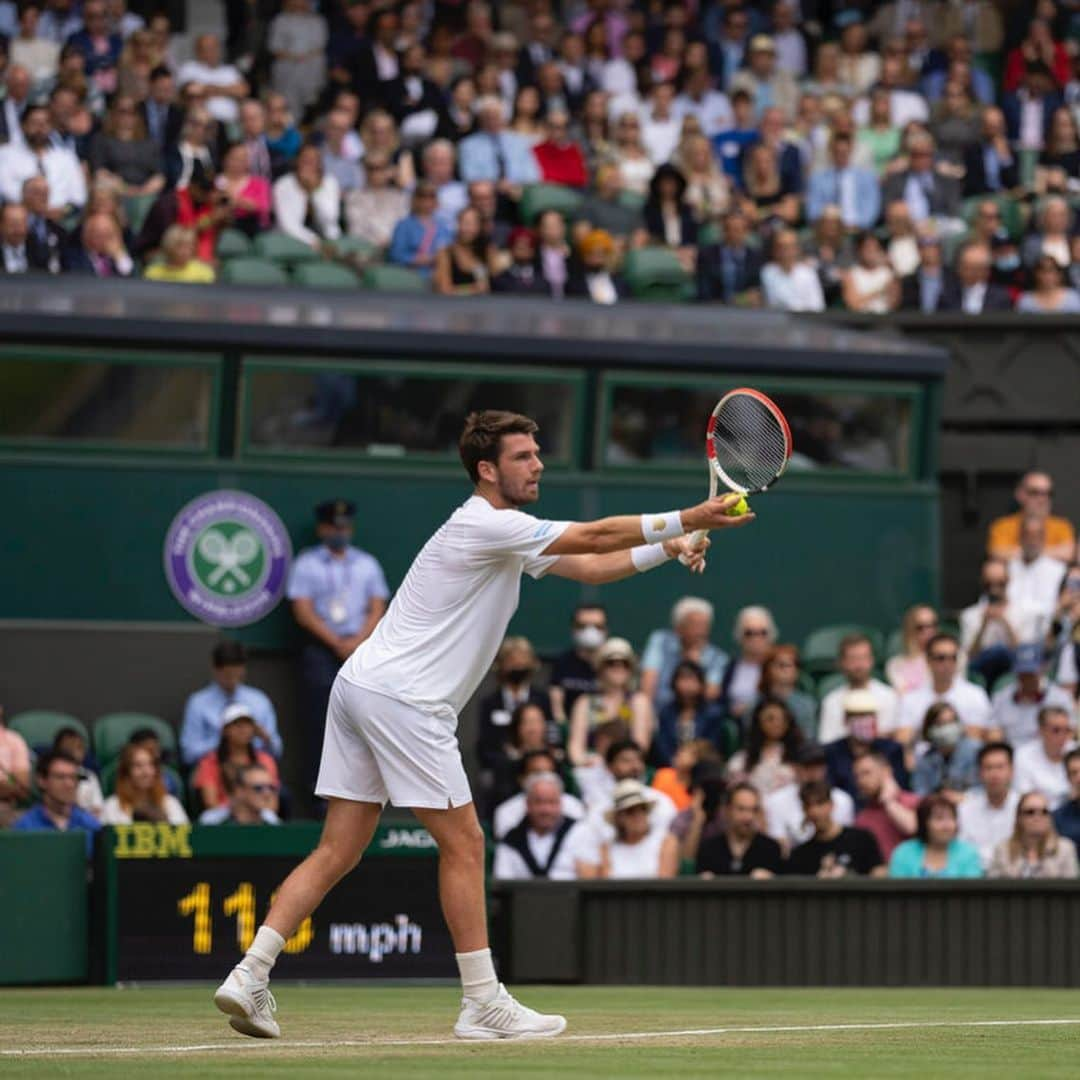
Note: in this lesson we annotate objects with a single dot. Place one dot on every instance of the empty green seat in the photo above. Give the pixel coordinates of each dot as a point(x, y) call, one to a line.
point(537, 198)
point(353, 245)
point(283, 248)
point(250, 271)
point(39, 726)
point(821, 645)
point(232, 243)
point(655, 273)
point(325, 275)
point(394, 279)
point(112, 731)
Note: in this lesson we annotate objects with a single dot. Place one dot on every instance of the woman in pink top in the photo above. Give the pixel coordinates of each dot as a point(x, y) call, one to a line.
point(908, 670)
point(249, 196)
point(235, 751)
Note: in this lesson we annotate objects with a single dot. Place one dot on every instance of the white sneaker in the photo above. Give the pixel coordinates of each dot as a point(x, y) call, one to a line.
point(505, 1018)
point(248, 1004)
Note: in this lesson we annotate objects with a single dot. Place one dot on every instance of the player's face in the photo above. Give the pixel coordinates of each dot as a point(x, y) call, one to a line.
point(518, 470)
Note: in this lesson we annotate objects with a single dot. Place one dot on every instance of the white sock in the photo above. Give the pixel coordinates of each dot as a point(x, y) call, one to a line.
point(260, 958)
point(478, 979)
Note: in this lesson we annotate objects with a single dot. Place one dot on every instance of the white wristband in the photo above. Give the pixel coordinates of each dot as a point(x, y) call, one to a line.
point(648, 557)
point(658, 527)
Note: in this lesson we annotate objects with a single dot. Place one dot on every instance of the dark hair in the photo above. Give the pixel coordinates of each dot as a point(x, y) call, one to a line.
point(1053, 710)
point(616, 730)
point(223, 751)
point(617, 748)
point(934, 713)
point(45, 762)
point(865, 236)
point(64, 732)
point(483, 433)
point(532, 755)
point(228, 654)
point(667, 171)
point(517, 715)
point(938, 638)
point(742, 785)
point(1043, 262)
point(755, 739)
point(1072, 755)
point(849, 641)
point(160, 72)
point(691, 667)
point(588, 607)
point(924, 812)
point(815, 791)
point(31, 109)
point(998, 748)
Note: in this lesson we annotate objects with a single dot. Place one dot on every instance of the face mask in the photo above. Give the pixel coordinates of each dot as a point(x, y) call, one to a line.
point(589, 637)
point(337, 542)
point(1007, 262)
point(864, 728)
point(516, 676)
point(946, 736)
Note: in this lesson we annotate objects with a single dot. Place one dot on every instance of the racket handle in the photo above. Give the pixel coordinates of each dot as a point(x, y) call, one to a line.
point(697, 538)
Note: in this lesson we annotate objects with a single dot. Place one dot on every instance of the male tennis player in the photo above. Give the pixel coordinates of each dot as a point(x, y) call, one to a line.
point(391, 722)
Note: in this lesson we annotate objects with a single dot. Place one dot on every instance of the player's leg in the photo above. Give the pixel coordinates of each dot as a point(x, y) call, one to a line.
point(488, 1010)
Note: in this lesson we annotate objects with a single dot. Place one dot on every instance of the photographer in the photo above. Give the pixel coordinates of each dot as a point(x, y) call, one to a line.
point(989, 630)
point(1065, 632)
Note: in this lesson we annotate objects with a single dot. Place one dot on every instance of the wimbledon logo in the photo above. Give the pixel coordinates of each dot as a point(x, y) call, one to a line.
point(226, 558)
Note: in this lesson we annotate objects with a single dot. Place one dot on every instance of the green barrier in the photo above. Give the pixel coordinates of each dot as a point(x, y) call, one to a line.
point(44, 917)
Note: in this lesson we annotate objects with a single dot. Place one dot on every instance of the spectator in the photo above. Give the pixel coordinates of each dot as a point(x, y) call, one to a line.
point(699, 98)
point(785, 820)
point(972, 292)
point(1067, 815)
point(495, 154)
point(59, 21)
point(338, 595)
point(58, 778)
point(772, 746)
point(730, 271)
point(418, 238)
point(21, 253)
point(297, 41)
point(179, 263)
point(1038, 46)
point(855, 660)
point(553, 254)
point(530, 733)
point(858, 66)
point(731, 143)
point(1053, 236)
point(140, 792)
point(676, 779)
point(755, 633)
point(621, 758)
point(1049, 295)
point(946, 684)
point(1016, 706)
point(14, 772)
point(878, 138)
point(336, 160)
point(615, 699)
point(1034, 577)
point(511, 810)
point(790, 283)
point(380, 133)
point(770, 86)
point(521, 276)
point(1059, 162)
point(688, 639)
point(537, 846)
point(629, 154)
point(222, 83)
point(248, 195)
point(830, 251)
point(708, 190)
point(602, 208)
point(34, 155)
point(1040, 763)
point(373, 211)
point(690, 716)
point(438, 162)
point(261, 162)
point(741, 848)
point(862, 736)
point(1064, 634)
point(212, 776)
point(1035, 849)
point(252, 798)
point(928, 190)
point(516, 666)
point(593, 278)
point(935, 851)
point(559, 158)
point(989, 165)
point(484, 199)
point(307, 201)
point(574, 671)
point(924, 289)
point(18, 84)
point(833, 850)
point(99, 46)
point(989, 629)
point(461, 266)
point(525, 114)
point(668, 219)
point(854, 189)
point(986, 814)
point(948, 763)
point(956, 122)
point(1034, 495)
point(124, 155)
point(780, 681)
point(885, 809)
point(1029, 108)
point(30, 51)
point(660, 124)
point(770, 198)
point(282, 138)
point(160, 113)
point(640, 848)
point(102, 252)
point(190, 156)
point(705, 815)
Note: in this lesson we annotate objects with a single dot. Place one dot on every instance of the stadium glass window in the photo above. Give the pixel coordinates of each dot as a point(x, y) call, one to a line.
point(835, 428)
point(398, 411)
point(53, 398)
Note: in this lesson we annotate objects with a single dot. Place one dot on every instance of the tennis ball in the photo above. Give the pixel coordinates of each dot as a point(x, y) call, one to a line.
point(740, 508)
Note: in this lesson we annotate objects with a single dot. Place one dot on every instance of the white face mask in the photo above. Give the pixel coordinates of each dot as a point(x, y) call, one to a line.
point(589, 637)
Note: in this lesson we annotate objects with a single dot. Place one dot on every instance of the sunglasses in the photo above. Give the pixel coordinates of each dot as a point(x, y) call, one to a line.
point(262, 788)
point(943, 658)
point(1035, 811)
point(1042, 492)
point(751, 632)
point(617, 663)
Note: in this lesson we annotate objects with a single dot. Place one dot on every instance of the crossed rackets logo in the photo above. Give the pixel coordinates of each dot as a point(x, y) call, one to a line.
point(228, 556)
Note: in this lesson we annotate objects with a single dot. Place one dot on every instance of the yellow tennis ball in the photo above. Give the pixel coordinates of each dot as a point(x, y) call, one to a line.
point(740, 508)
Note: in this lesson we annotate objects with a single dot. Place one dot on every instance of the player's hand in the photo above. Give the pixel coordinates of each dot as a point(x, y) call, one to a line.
point(713, 514)
point(691, 556)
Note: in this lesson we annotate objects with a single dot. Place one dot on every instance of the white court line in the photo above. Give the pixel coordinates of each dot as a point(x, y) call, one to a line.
point(376, 1044)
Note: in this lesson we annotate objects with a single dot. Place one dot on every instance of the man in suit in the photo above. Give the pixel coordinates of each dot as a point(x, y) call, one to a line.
point(162, 116)
point(990, 164)
point(729, 51)
point(538, 49)
point(17, 85)
point(1029, 108)
point(925, 289)
point(102, 251)
point(414, 100)
point(730, 271)
point(855, 190)
point(16, 254)
point(927, 191)
point(45, 240)
point(971, 292)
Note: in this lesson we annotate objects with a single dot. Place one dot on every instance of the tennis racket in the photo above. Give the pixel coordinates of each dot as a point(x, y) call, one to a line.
point(747, 446)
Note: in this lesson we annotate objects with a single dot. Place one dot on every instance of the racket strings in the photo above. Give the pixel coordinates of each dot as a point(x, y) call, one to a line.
point(749, 443)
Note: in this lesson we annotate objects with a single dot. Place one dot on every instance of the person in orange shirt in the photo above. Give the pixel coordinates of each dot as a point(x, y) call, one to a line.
point(1034, 495)
point(674, 781)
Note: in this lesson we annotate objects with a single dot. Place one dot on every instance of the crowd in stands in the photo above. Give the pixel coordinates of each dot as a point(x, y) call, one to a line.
point(951, 751)
point(919, 155)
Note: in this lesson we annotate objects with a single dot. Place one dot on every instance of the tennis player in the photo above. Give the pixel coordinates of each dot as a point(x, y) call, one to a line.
point(392, 718)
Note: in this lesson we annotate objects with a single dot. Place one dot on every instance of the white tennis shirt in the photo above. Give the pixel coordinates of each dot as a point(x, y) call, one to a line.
point(446, 622)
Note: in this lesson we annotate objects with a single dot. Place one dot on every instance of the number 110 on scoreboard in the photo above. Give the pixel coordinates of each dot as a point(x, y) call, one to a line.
point(198, 906)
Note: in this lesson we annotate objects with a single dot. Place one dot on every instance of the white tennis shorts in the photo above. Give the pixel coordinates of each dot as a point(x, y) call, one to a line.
point(377, 748)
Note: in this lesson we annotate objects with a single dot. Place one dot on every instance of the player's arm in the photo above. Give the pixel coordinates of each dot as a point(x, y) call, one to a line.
point(616, 565)
point(618, 534)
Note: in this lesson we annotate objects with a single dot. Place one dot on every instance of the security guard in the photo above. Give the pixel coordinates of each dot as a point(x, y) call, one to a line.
point(338, 595)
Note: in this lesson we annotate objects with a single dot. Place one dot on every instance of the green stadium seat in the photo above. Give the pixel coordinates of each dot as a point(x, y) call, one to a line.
point(830, 682)
point(282, 248)
point(112, 731)
point(232, 244)
point(394, 279)
point(250, 271)
point(655, 273)
point(325, 275)
point(1026, 162)
point(136, 207)
point(709, 233)
point(894, 644)
point(537, 198)
point(353, 245)
point(820, 647)
point(107, 776)
point(632, 200)
point(39, 726)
